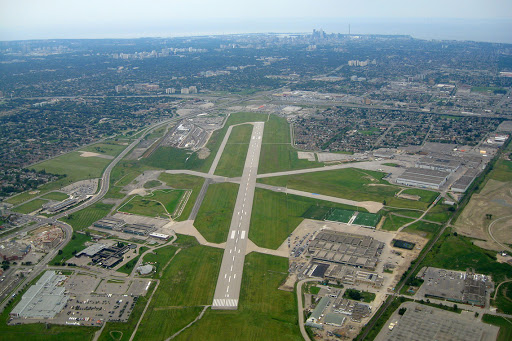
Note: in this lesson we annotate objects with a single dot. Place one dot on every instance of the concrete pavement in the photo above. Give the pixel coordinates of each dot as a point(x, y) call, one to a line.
point(227, 291)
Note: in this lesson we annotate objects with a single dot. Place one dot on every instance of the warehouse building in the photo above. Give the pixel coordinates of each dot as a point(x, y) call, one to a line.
point(138, 229)
point(439, 162)
point(45, 299)
point(314, 319)
point(346, 248)
point(423, 178)
point(109, 223)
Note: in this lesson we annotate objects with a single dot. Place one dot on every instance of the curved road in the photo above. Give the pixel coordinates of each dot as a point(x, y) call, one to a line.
point(489, 230)
point(301, 308)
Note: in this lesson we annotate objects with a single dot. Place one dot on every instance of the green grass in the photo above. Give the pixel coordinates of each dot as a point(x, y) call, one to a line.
point(40, 331)
point(160, 256)
point(84, 218)
point(74, 167)
point(152, 184)
point(58, 196)
point(22, 197)
point(169, 198)
point(275, 215)
point(367, 219)
point(349, 183)
point(343, 216)
point(264, 313)
point(425, 196)
point(504, 298)
point(363, 296)
point(405, 212)
point(232, 161)
point(76, 244)
point(189, 281)
point(143, 206)
point(281, 156)
point(505, 333)
point(214, 216)
point(424, 229)
point(187, 182)
point(30, 206)
point(109, 148)
point(459, 253)
point(390, 164)
point(393, 222)
point(173, 158)
point(164, 323)
point(191, 277)
point(501, 171)
point(440, 213)
point(316, 212)
point(128, 266)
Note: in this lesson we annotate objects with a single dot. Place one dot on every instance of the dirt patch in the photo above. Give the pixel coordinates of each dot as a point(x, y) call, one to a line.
point(492, 203)
point(91, 154)
point(203, 153)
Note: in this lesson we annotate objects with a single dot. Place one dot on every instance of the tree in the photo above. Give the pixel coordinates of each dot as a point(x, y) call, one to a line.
point(402, 311)
point(60, 252)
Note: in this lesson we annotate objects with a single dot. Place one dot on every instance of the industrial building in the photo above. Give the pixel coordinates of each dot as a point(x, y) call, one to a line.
point(355, 310)
point(138, 229)
point(439, 162)
point(109, 223)
point(104, 255)
point(314, 319)
point(423, 178)
point(345, 248)
point(353, 276)
point(45, 299)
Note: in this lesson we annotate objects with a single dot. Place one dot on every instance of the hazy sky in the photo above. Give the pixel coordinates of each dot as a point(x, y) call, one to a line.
point(32, 19)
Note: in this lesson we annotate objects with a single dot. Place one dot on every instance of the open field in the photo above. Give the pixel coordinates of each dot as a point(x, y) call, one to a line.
point(58, 196)
point(425, 195)
point(143, 206)
point(349, 183)
point(30, 206)
point(74, 167)
point(193, 274)
point(173, 158)
point(277, 153)
point(340, 215)
point(128, 266)
point(495, 199)
point(505, 325)
point(152, 184)
point(504, 298)
point(261, 304)
point(186, 182)
point(275, 215)
point(502, 171)
point(367, 219)
point(105, 148)
point(440, 213)
point(84, 218)
point(76, 244)
point(459, 253)
point(232, 162)
point(123, 174)
point(393, 222)
point(160, 257)
point(424, 229)
point(405, 212)
point(214, 216)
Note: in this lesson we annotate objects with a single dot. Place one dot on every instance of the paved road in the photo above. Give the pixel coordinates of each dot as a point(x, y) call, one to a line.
point(369, 165)
point(371, 206)
point(227, 291)
point(301, 308)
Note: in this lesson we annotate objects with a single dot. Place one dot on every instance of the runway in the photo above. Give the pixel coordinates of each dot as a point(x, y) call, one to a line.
point(227, 291)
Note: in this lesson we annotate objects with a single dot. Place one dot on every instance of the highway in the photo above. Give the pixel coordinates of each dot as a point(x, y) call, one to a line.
point(227, 291)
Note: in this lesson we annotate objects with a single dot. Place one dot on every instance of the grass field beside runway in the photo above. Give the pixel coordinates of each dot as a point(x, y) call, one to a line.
point(214, 216)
